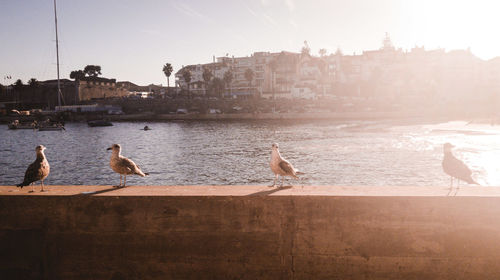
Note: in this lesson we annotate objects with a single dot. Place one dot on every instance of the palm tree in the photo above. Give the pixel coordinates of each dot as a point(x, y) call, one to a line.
point(186, 74)
point(18, 86)
point(305, 49)
point(207, 76)
point(249, 76)
point(273, 65)
point(322, 52)
point(167, 70)
point(228, 78)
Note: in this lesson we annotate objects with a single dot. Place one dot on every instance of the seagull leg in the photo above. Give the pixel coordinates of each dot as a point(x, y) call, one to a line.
point(32, 189)
point(120, 182)
point(274, 182)
point(282, 181)
point(451, 186)
point(124, 180)
point(42, 186)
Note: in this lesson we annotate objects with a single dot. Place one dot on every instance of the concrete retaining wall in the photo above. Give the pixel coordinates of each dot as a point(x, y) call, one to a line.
point(249, 237)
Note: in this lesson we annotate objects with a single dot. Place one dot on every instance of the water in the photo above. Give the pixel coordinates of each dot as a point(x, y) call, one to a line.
point(232, 153)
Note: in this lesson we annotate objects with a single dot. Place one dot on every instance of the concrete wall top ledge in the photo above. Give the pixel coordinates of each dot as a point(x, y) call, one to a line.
point(253, 190)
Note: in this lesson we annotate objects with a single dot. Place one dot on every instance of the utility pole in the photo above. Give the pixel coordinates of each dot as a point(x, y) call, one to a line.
point(57, 55)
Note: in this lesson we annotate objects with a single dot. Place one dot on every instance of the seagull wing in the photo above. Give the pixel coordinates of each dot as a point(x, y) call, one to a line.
point(131, 166)
point(32, 173)
point(37, 170)
point(288, 168)
point(456, 168)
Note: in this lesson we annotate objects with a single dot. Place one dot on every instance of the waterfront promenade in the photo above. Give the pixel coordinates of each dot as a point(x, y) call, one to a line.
point(360, 115)
point(250, 232)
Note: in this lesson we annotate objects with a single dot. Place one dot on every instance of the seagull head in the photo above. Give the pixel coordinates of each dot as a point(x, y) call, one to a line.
point(114, 147)
point(447, 147)
point(275, 146)
point(40, 148)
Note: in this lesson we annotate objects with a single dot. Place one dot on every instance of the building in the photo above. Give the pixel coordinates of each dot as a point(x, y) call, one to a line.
point(92, 88)
point(384, 79)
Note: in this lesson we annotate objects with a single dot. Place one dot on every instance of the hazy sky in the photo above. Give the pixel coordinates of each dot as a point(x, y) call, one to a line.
point(131, 40)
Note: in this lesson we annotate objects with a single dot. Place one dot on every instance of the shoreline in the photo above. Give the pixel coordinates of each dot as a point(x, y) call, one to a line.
point(334, 116)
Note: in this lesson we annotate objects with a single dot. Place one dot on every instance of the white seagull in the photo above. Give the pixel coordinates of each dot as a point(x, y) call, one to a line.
point(281, 166)
point(37, 171)
point(455, 167)
point(123, 165)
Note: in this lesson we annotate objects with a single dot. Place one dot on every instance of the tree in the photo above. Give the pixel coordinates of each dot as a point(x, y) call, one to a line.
point(77, 75)
point(322, 52)
point(186, 74)
point(18, 85)
point(273, 65)
point(228, 78)
point(167, 70)
point(218, 86)
point(92, 70)
point(305, 49)
point(338, 52)
point(249, 74)
point(207, 76)
point(33, 82)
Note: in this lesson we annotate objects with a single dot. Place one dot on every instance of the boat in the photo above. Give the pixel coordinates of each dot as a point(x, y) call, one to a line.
point(51, 127)
point(99, 123)
point(17, 125)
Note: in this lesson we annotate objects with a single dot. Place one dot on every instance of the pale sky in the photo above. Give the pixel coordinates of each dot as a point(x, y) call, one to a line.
point(132, 40)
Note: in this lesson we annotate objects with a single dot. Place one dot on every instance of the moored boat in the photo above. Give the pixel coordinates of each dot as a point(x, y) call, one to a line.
point(51, 127)
point(99, 123)
point(17, 125)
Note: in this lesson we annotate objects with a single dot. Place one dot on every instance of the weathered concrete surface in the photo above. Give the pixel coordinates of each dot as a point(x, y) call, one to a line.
point(249, 232)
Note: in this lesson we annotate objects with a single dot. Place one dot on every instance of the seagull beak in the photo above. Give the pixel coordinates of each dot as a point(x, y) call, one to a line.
point(109, 149)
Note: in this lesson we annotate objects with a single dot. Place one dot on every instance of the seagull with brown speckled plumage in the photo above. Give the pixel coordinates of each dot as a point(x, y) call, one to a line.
point(37, 171)
point(281, 167)
point(123, 165)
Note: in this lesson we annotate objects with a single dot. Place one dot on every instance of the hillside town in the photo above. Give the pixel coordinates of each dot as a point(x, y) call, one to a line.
point(387, 79)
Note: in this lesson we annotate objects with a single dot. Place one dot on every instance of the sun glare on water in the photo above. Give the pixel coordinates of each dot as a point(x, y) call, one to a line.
point(477, 145)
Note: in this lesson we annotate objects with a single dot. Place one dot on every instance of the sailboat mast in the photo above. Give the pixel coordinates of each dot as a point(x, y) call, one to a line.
point(57, 55)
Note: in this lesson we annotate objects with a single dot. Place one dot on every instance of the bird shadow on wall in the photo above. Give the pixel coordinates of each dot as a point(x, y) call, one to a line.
point(263, 193)
point(97, 192)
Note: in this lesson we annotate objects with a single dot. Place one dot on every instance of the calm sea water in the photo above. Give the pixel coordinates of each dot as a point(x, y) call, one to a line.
point(228, 153)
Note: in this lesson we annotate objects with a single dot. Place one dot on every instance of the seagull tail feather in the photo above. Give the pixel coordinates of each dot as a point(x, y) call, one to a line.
point(471, 181)
point(23, 184)
point(300, 173)
point(140, 173)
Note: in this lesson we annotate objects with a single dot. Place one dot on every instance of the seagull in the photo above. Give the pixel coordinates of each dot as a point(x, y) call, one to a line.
point(123, 165)
point(455, 167)
point(38, 170)
point(281, 166)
